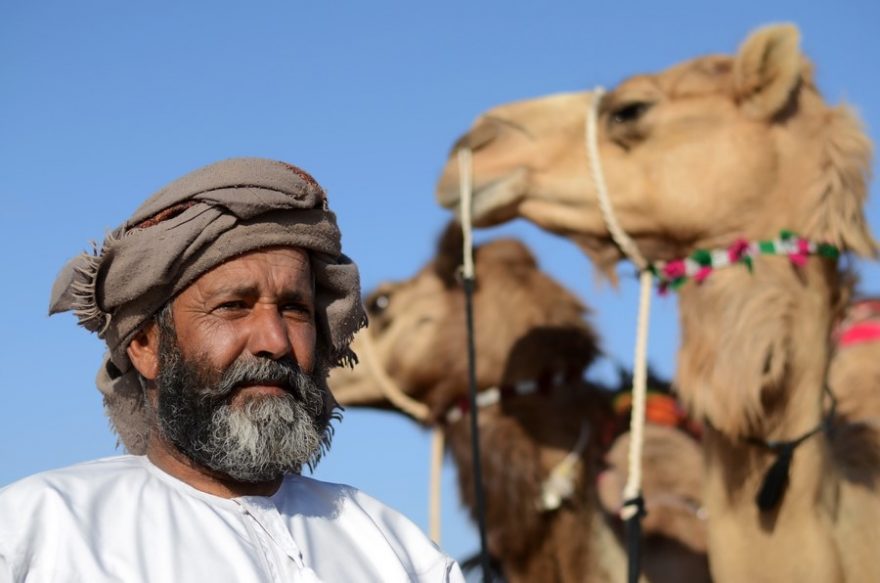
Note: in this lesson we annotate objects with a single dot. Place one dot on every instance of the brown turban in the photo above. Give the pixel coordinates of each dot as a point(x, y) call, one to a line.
point(189, 227)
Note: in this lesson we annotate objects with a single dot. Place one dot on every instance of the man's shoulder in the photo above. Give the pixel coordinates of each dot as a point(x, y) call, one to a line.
point(66, 485)
point(108, 467)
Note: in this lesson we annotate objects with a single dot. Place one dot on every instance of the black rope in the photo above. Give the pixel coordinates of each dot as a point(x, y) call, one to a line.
point(475, 436)
point(775, 481)
point(634, 538)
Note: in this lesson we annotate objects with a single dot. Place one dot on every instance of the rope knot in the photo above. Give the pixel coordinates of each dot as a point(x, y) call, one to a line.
point(633, 508)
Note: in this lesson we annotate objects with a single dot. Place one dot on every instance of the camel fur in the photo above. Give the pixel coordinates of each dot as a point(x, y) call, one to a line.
point(527, 328)
point(695, 157)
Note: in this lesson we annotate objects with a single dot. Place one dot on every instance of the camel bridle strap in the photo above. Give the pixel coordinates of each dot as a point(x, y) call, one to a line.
point(618, 235)
point(465, 176)
point(775, 481)
point(633, 504)
point(494, 395)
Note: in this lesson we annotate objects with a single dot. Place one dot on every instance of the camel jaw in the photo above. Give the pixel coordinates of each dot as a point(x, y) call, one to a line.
point(353, 388)
point(495, 201)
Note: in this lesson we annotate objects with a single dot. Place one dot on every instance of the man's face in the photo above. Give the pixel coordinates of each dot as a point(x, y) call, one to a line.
point(262, 304)
point(236, 391)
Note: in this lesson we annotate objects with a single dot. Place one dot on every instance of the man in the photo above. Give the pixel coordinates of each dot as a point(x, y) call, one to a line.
point(223, 301)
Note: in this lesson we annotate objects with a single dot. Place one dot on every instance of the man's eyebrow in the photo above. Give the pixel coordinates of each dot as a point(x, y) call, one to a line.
point(247, 290)
point(295, 295)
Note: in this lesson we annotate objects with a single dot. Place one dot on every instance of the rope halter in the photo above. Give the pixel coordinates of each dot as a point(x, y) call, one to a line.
point(632, 489)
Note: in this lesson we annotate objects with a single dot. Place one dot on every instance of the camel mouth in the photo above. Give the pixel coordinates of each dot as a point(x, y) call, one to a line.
point(352, 389)
point(494, 201)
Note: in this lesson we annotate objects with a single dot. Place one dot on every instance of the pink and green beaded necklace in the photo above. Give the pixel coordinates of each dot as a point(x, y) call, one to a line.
point(700, 264)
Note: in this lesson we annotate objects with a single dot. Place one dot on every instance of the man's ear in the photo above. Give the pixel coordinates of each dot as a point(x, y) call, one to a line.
point(143, 351)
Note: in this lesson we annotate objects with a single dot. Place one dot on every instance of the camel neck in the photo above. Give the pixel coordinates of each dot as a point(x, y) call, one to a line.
point(755, 347)
point(753, 363)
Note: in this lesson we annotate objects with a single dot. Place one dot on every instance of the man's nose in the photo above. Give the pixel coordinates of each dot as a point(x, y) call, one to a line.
point(269, 335)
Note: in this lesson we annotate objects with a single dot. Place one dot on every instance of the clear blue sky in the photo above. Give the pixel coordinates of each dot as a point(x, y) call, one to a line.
point(102, 103)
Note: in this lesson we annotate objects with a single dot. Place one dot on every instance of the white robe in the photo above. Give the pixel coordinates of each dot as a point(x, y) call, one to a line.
point(123, 519)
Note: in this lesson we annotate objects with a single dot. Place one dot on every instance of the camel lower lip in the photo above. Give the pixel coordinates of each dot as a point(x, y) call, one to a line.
point(490, 195)
point(499, 193)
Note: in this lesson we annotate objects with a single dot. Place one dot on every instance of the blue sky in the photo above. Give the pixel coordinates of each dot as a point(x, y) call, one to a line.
point(101, 103)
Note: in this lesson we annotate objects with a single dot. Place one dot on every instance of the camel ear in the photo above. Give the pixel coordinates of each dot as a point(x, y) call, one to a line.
point(767, 70)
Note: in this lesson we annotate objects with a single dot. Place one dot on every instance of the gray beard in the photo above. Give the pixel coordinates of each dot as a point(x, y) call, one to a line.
point(257, 440)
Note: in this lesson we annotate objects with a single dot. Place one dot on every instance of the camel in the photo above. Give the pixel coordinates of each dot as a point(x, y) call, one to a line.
point(702, 156)
point(530, 332)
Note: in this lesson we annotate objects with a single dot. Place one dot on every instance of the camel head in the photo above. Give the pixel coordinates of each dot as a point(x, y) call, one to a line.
point(526, 325)
point(695, 156)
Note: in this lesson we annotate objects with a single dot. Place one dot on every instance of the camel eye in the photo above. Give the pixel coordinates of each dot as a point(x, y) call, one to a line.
point(630, 112)
point(378, 303)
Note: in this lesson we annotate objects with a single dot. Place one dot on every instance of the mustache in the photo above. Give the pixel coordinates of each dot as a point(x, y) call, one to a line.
point(254, 370)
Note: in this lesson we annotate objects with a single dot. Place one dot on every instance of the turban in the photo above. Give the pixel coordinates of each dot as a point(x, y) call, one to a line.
point(189, 227)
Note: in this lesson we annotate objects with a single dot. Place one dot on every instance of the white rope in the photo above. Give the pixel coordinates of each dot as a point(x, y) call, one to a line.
point(633, 486)
point(415, 409)
point(465, 170)
point(434, 504)
point(624, 241)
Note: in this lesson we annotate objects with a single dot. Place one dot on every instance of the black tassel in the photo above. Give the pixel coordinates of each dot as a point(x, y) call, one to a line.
point(776, 479)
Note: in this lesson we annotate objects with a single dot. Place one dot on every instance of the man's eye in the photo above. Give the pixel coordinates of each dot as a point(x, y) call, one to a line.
point(233, 305)
point(630, 112)
point(297, 308)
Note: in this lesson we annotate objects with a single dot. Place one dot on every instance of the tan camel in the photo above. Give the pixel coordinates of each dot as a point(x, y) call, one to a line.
point(528, 330)
point(696, 157)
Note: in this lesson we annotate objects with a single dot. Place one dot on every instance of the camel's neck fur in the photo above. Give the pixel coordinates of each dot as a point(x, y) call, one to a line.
point(753, 363)
point(755, 346)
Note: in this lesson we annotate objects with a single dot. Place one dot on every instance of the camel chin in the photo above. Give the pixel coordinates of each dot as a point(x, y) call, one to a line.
point(495, 200)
